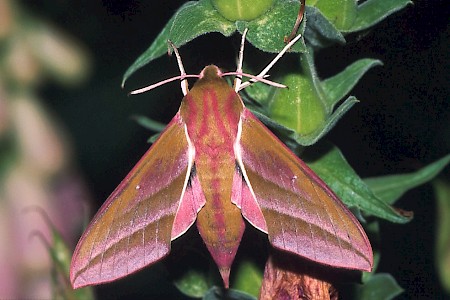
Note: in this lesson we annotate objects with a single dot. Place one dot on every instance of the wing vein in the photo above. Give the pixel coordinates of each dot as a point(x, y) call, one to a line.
point(108, 235)
point(330, 220)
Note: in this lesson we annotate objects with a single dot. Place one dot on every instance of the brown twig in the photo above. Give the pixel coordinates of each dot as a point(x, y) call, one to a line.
point(301, 12)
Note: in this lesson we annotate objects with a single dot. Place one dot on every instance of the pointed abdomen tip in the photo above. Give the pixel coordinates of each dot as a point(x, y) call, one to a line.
point(225, 273)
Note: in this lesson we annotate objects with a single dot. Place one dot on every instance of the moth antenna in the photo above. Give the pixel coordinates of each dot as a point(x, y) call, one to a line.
point(155, 85)
point(272, 63)
point(238, 79)
point(255, 78)
point(184, 83)
point(182, 76)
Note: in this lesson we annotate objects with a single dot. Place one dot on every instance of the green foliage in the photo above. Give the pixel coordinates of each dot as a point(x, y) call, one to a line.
point(248, 278)
point(216, 293)
point(380, 286)
point(442, 257)
point(60, 255)
point(265, 32)
point(348, 16)
point(246, 10)
point(197, 283)
point(194, 283)
point(304, 113)
point(342, 179)
point(390, 188)
point(196, 18)
point(306, 110)
point(339, 85)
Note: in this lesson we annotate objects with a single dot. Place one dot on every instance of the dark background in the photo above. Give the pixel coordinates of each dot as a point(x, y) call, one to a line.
point(401, 123)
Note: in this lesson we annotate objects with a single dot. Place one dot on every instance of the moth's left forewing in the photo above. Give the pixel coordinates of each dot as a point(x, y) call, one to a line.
point(302, 215)
point(136, 224)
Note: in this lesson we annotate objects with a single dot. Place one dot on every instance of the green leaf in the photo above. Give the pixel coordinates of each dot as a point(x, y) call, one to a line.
point(339, 85)
point(216, 293)
point(381, 286)
point(371, 12)
point(194, 18)
point(193, 283)
point(258, 92)
point(372, 229)
point(61, 256)
point(200, 18)
point(330, 122)
point(341, 13)
point(304, 112)
point(320, 32)
point(347, 16)
point(442, 258)
point(390, 188)
point(149, 124)
point(332, 167)
point(267, 32)
point(153, 138)
point(274, 125)
point(248, 278)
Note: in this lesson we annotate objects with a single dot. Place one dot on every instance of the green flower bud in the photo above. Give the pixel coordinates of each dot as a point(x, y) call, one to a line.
point(242, 10)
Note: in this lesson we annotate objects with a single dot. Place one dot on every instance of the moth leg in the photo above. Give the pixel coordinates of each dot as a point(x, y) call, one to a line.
point(272, 63)
point(184, 83)
point(238, 80)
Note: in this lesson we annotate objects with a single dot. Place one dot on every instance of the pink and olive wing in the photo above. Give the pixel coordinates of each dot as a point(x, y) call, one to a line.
point(136, 224)
point(301, 214)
